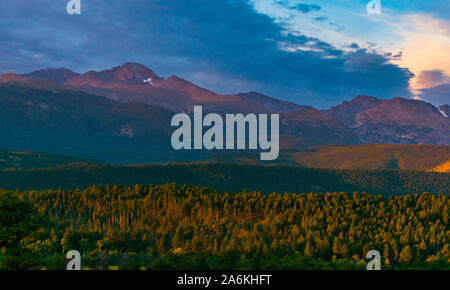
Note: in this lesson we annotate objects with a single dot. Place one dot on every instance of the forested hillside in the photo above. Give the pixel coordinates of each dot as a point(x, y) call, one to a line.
point(231, 177)
point(16, 159)
point(170, 227)
point(372, 156)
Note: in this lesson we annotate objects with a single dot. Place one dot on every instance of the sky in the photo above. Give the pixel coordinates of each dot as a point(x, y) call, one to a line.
point(316, 52)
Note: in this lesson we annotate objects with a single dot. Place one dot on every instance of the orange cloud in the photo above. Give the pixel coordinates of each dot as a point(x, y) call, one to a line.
point(426, 50)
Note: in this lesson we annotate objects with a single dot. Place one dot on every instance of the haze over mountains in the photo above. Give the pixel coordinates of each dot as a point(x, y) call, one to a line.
point(123, 115)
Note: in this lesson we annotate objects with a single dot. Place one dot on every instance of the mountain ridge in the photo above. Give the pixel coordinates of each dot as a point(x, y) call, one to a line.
point(133, 89)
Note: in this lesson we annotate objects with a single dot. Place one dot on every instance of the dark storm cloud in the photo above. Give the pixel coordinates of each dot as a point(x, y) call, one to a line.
point(223, 45)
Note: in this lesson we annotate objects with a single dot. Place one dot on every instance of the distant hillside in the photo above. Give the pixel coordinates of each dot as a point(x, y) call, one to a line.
point(27, 160)
point(377, 156)
point(231, 177)
point(444, 167)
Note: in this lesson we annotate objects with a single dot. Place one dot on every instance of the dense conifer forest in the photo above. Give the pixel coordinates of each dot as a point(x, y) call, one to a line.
point(187, 227)
point(230, 177)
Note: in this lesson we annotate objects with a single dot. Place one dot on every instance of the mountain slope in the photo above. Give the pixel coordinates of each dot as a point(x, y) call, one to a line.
point(347, 111)
point(76, 123)
point(309, 127)
point(211, 101)
point(30, 82)
point(272, 104)
point(127, 74)
point(56, 75)
point(133, 82)
point(396, 121)
point(403, 121)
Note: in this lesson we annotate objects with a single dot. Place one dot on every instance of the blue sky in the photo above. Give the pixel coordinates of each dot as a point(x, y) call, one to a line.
point(311, 52)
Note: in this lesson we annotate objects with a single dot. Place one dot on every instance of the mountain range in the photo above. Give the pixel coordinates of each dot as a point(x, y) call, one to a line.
point(122, 115)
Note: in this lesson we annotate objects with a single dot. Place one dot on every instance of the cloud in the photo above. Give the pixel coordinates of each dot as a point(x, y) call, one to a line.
point(321, 18)
point(437, 95)
point(306, 8)
point(435, 87)
point(238, 47)
point(302, 7)
point(432, 78)
point(425, 42)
